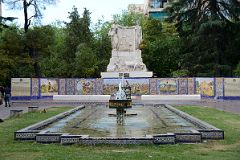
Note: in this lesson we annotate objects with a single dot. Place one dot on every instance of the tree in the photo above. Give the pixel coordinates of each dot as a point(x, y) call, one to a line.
point(237, 70)
point(197, 12)
point(35, 5)
point(14, 62)
point(77, 32)
point(38, 40)
point(53, 64)
point(206, 27)
point(160, 47)
point(129, 18)
point(85, 62)
point(102, 45)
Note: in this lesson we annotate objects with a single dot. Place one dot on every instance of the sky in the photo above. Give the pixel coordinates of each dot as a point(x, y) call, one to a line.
point(98, 9)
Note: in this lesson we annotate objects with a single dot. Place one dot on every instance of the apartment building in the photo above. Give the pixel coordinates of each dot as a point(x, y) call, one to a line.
point(152, 8)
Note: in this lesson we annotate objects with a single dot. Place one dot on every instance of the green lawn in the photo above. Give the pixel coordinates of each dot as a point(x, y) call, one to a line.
point(226, 149)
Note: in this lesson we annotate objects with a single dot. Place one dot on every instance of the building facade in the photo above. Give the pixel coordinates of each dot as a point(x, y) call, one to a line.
point(152, 8)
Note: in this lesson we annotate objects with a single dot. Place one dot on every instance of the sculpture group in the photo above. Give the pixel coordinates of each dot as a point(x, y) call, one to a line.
point(126, 53)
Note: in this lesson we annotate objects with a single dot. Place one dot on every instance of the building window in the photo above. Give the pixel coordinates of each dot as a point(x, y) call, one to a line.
point(157, 3)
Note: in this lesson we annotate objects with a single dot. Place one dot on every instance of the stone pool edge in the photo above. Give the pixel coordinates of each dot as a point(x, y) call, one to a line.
point(34, 133)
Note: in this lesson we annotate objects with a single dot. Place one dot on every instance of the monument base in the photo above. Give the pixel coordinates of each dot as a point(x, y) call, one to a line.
point(126, 74)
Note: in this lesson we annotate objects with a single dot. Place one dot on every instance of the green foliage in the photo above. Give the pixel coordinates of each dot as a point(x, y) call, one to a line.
point(77, 32)
point(160, 47)
point(85, 62)
point(180, 73)
point(102, 45)
point(202, 39)
point(14, 62)
point(54, 64)
point(129, 18)
point(208, 30)
point(237, 70)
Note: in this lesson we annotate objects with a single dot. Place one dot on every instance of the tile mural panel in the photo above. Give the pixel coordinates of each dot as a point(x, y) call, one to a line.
point(99, 86)
point(21, 86)
point(138, 86)
point(219, 87)
point(35, 87)
point(70, 86)
point(232, 87)
point(85, 86)
point(205, 86)
point(153, 86)
point(191, 86)
point(110, 86)
point(48, 87)
point(183, 85)
point(167, 86)
point(62, 86)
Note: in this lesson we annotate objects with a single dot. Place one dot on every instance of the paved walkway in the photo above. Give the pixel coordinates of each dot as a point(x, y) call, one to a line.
point(228, 106)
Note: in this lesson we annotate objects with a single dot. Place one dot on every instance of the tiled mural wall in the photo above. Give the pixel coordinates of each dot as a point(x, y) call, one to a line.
point(218, 88)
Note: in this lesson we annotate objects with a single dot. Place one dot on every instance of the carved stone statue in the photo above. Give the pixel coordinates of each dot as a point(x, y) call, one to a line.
point(126, 53)
point(114, 36)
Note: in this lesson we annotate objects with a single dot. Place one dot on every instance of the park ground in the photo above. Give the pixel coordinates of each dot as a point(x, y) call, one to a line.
point(229, 148)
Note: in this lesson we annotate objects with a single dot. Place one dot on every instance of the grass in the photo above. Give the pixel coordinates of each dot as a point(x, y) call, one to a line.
point(220, 150)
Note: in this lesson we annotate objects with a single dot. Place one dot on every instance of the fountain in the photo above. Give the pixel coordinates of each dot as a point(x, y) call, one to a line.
point(148, 123)
point(121, 102)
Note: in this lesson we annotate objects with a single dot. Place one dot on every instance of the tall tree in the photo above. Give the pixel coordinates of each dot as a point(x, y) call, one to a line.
point(77, 32)
point(38, 40)
point(206, 27)
point(102, 45)
point(85, 62)
point(160, 47)
point(30, 5)
point(14, 62)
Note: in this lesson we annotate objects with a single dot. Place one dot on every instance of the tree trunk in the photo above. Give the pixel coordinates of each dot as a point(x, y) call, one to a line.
point(30, 49)
point(26, 22)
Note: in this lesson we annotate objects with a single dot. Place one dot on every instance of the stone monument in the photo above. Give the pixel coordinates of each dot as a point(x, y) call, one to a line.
point(126, 57)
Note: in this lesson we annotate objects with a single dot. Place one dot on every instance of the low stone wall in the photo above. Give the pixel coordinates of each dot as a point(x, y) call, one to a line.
point(207, 131)
point(30, 132)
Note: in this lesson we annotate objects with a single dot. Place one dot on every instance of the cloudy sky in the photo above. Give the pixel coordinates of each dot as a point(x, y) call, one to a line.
point(98, 8)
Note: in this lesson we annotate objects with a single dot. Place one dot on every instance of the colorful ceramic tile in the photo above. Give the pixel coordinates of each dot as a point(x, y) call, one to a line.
point(99, 86)
point(85, 86)
point(153, 86)
point(205, 86)
point(138, 86)
point(49, 87)
point(35, 87)
point(191, 86)
point(167, 86)
point(183, 85)
point(70, 86)
point(62, 85)
point(219, 87)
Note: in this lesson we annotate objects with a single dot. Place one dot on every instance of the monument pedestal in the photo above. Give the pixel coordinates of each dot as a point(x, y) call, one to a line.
point(139, 74)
